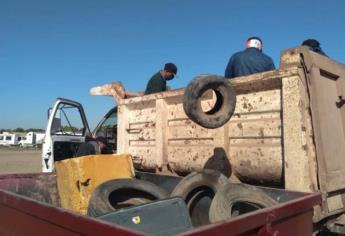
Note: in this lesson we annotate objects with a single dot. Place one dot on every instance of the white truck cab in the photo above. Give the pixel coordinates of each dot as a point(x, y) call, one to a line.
point(68, 127)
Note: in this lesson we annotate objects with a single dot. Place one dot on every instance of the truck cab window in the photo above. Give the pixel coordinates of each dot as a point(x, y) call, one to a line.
point(108, 126)
point(67, 121)
point(108, 130)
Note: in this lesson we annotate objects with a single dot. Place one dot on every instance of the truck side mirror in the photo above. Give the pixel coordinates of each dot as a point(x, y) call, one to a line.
point(49, 112)
point(56, 125)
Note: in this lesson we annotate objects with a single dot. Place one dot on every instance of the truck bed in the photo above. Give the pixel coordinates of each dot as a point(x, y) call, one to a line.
point(287, 130)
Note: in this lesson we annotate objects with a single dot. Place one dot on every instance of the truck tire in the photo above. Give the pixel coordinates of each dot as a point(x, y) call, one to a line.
point(198, 190)
point(119, 193)
point(237, 199)
point(223, 108)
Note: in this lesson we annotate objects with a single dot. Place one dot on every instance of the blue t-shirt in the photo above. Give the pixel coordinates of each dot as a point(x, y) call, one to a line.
point(247, 62)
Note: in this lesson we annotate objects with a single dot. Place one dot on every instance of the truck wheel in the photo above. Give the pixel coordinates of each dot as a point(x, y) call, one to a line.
point(119, 193)
point(238, 199)
point(198, 190)
point(224, 105)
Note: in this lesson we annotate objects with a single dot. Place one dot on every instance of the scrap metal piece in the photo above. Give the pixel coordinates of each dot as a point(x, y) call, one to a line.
point(114, 89)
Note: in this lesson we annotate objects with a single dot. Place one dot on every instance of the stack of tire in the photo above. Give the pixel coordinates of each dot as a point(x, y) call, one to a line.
point(226, 200)
point(210, 197)
point(208, 194)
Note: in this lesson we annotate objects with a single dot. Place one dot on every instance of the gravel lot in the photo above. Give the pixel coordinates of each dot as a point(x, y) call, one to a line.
point(19, 160)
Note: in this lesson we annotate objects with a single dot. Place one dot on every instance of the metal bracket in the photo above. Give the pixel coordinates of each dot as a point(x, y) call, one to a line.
point(341, 102)
point(133, 131)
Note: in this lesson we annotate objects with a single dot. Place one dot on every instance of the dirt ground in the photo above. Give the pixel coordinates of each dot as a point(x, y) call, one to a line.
point(19, 160)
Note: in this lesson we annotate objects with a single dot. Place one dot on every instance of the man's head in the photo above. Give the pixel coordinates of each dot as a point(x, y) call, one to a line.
point(169, 71)
point(254, 42)
point(311, 43)
point(314, 45)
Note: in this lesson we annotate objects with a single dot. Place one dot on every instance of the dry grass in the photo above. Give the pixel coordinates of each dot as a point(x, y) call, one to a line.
point(19, 160)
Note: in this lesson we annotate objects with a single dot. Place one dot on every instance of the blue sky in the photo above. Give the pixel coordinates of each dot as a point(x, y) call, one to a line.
point(51, 49)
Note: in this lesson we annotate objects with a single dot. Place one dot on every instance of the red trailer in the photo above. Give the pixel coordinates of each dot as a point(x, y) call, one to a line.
point(29, 205)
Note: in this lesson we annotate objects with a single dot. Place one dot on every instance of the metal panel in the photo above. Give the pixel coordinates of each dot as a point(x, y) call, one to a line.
point(291, 218)
point(323, 80)
point(328, 122)
point(23, 216)
point(156, 131)
point(77, 178)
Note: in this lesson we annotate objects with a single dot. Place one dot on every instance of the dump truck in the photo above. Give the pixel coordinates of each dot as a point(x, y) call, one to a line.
point(286, 132)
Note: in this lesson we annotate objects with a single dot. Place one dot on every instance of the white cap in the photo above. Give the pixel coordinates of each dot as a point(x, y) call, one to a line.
point(254, 43)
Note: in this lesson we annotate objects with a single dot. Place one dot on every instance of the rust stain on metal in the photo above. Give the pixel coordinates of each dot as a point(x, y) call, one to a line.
point(246, 163)
point(250, 107)
point(261, 132)
point(195, 157)
point(260, 152)
point(305, 147)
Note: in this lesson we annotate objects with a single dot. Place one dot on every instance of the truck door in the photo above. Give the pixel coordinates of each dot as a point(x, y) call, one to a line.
point(67, 128)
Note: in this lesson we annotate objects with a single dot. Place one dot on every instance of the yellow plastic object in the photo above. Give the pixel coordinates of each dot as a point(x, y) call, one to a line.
point(78, 177)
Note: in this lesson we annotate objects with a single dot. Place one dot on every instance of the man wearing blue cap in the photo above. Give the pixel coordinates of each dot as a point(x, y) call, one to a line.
point(251, 60)
point(158, 82)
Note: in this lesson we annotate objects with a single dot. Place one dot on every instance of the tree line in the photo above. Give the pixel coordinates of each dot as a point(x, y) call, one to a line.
point(65, 128)
point(21, 130)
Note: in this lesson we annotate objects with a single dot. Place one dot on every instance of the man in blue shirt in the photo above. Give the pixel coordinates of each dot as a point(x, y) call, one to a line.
point(251, 60)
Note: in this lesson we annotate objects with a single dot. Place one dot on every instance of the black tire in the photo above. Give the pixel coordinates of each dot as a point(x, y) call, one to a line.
point(119, 193)
point(223, 108)
point(198, 190)
point(237, 199)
